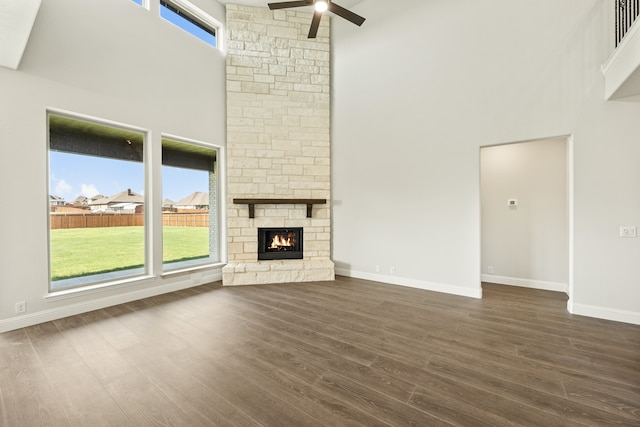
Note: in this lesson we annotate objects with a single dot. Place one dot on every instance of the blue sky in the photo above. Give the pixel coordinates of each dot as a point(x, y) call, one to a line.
point(73, 175)
point(186, 25)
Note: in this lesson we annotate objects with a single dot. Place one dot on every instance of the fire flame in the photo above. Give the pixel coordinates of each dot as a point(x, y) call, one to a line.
point(280, 241)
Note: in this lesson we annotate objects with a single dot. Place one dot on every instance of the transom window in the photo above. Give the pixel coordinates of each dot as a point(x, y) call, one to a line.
point(191, 19)
point(188, 17)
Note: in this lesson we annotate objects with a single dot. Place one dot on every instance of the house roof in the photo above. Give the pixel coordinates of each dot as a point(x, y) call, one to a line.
point(197, 198)
point(81, 200)
point(126, 196)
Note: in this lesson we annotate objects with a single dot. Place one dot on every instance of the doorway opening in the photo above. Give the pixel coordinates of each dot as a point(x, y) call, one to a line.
point(526, 214)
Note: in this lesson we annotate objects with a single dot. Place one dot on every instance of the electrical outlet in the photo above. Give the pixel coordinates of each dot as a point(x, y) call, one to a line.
point(628, 231)
point(21, 307)
point(392, 270)
point(490, 269)
point(377, 269)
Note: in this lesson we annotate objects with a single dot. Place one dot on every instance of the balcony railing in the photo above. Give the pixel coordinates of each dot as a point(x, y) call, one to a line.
point(627, 12)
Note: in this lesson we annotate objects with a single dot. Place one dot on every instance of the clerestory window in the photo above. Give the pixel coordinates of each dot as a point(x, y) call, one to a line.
point(191, 19)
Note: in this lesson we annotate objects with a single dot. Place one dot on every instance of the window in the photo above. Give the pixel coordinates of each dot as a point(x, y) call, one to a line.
point(97, 203)
point(190, 204)
point(191, 19)
point(138, 2)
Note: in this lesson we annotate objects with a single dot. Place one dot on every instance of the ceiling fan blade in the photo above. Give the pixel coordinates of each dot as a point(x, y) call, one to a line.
point(346, 14)
point(288, 4)
point(315, 24)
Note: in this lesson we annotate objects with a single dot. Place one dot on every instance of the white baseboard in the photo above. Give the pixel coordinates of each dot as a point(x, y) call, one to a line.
point(412, 283)
point(48, 315)
point(604, 313)
point(526, 283)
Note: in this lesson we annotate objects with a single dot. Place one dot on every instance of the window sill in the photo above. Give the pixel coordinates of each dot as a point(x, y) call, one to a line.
point(192, 269)
point(96, 288)
point(124, 283)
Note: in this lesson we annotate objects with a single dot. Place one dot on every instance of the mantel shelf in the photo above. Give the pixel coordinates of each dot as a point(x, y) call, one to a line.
point(253, 202)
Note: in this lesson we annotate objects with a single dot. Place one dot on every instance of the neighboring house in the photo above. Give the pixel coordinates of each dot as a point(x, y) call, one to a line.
point(81, 200)
point(196, 200)
point(56, 201)
point(69, 209)
point(128, 208)
point(167, 204)
point(124, 202)
point(99, 205)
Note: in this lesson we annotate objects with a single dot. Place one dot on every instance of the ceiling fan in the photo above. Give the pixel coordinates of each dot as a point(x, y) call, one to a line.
point(320, 7)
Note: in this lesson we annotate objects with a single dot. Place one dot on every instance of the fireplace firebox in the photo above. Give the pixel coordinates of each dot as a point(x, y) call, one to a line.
point(280, 243)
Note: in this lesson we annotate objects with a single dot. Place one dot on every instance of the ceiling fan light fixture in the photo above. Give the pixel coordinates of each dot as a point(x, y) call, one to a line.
point(321, 6)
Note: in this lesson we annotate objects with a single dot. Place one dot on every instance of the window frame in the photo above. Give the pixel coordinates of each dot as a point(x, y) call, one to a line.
point(146, 158)
point(167, 269)
point(152, 164)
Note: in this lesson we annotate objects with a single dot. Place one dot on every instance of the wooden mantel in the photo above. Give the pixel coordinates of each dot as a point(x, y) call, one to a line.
point(253, 202)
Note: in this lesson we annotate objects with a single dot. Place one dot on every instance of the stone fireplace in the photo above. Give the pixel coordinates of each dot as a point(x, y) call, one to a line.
point(278, 146)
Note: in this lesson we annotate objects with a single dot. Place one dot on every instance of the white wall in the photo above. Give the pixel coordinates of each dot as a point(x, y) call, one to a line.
point(423, 84)
point(113, 60)
point(526, 244)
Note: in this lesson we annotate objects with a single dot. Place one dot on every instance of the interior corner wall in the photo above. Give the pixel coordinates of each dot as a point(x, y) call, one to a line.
point(111, 60)
point(525, 244)
point(418, 89)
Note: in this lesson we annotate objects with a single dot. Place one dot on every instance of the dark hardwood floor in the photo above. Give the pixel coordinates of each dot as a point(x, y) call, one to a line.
point(349, 352)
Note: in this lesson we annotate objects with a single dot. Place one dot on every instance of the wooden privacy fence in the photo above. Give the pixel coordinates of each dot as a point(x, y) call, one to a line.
point(178, 219)
point(95, 220)
point(174, 219)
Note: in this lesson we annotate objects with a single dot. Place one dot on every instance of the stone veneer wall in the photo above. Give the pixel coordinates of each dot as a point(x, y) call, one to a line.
point(278, 140)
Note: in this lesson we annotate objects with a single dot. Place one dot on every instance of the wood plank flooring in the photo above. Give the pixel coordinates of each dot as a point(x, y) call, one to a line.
point(343, 353)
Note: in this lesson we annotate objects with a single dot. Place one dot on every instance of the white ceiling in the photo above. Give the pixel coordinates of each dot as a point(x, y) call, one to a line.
point(263, 3)
point(16, 21)
point(17, 18)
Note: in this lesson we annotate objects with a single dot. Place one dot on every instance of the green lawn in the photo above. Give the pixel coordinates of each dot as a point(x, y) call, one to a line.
point(82, 251)
point(184, 243)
